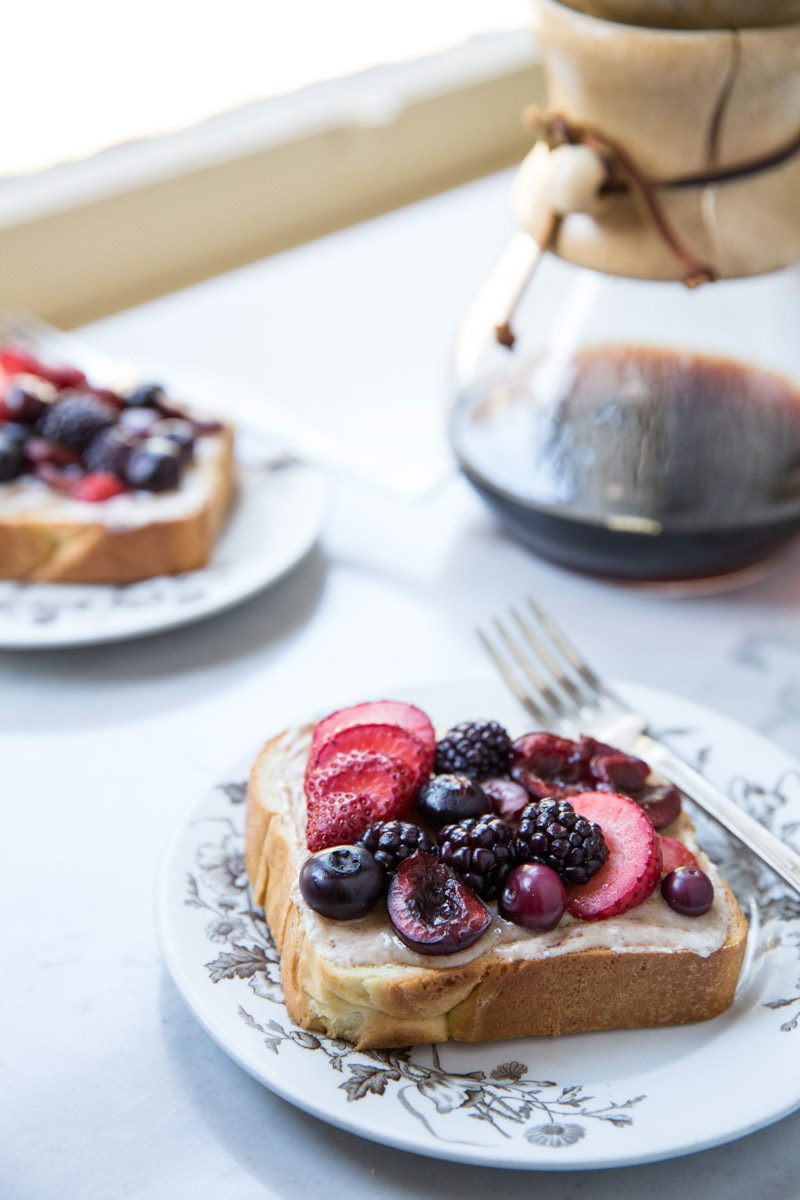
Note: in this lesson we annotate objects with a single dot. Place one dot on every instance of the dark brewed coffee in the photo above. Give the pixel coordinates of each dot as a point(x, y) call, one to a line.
point(638, 463)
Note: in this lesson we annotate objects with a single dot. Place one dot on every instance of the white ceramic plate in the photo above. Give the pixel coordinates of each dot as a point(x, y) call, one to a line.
point(277, 517)
point(580, 1101)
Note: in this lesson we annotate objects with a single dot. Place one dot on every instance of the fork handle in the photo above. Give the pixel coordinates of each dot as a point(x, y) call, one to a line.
point(775, 853)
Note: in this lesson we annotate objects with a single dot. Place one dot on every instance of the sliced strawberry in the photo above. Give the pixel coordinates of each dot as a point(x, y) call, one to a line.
point(99, 486)
point(15, 360)
point(387, 781)
point(674, 854)
point(378, 712)
point(338, 819)
point(633, 869)
point(390, 740)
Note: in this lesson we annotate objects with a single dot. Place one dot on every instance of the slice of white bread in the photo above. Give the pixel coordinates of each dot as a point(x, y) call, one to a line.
point(46, 538)
point(394, 997)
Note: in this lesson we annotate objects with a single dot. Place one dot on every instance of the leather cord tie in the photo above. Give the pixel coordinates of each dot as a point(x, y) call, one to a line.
point(623, 175)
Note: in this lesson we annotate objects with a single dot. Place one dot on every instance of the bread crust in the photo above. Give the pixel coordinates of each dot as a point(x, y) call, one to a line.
point(486, 999)
point(42, 551)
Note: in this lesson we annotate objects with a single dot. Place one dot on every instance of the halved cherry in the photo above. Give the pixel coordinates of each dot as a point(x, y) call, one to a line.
point(432, 910)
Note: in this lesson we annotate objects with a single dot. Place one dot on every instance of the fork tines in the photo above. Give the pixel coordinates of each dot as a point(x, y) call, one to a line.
point(543, 669)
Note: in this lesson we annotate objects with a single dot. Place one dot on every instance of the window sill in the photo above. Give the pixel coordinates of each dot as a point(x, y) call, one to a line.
point(90, 238)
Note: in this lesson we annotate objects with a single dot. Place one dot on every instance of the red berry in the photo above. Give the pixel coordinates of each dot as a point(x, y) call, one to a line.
point(661, 802)
point(102, 485)
point(688, 891)
point(390, 740)
point(59, 479)
point(534, 897)
point(17, 361)
point(509, 799)
point(622, 771)
point(432, 910)
point(377, 712)
point(41, 450)
point(387, 781)
point(633, 869)
point(338, 819)
point(674, 854)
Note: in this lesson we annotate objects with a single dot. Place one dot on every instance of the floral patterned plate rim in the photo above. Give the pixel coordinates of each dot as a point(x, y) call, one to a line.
point(577, 1102)
point(277, 517)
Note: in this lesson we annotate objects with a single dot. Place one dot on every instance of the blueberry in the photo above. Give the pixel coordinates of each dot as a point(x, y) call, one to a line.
point(147, 395)
point(446, 799)
point(155, 466)
point(10, 458)
point(341, 883)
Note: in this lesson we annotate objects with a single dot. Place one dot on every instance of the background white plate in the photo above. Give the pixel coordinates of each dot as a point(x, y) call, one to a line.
point(580, 1101)
point(276, 518)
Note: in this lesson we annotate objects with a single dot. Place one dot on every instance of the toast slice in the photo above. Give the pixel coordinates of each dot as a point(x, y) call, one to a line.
point(49, 538)
point(355, 980)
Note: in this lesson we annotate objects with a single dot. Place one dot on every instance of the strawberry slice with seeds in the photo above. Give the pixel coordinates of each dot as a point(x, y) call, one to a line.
point(390, 740)
point(338, 819)
point(99, 486)
point(674, 854)
point(387, 781)
point(378, 712)
point(633, 869)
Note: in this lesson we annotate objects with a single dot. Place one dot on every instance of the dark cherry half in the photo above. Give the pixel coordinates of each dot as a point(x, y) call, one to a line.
point(432, 910)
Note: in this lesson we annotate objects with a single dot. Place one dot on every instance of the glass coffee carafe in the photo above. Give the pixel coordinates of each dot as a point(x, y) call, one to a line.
point(638, 416)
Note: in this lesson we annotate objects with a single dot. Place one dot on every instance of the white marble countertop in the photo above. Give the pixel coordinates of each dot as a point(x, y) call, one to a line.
point(110, 1087)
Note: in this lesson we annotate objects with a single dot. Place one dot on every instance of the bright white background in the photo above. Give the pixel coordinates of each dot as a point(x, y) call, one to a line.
point(88, 74)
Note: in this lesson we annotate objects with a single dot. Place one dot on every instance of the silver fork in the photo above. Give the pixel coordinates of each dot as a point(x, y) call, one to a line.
point(561, 692)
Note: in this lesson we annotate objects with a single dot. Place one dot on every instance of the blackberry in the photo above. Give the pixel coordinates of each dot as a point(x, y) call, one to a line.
point(76, 420)
point(479, 749)
point(551, 832)
point(390, 842)
point(110, 451)
point(482, 851)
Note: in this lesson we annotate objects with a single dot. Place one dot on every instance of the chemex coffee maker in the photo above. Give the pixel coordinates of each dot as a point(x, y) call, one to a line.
point(628, 379)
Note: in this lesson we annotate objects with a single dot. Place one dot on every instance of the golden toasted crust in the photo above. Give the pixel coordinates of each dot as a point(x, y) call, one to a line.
point(486, 999)
point(63, 552)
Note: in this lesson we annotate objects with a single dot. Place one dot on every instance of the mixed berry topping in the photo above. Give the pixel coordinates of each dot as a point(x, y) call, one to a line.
point(478, 749)
point(482, 851)
point(585, 843)
point(547, 765)
point(551, 832)
point(56, 426)
point(391, 842)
